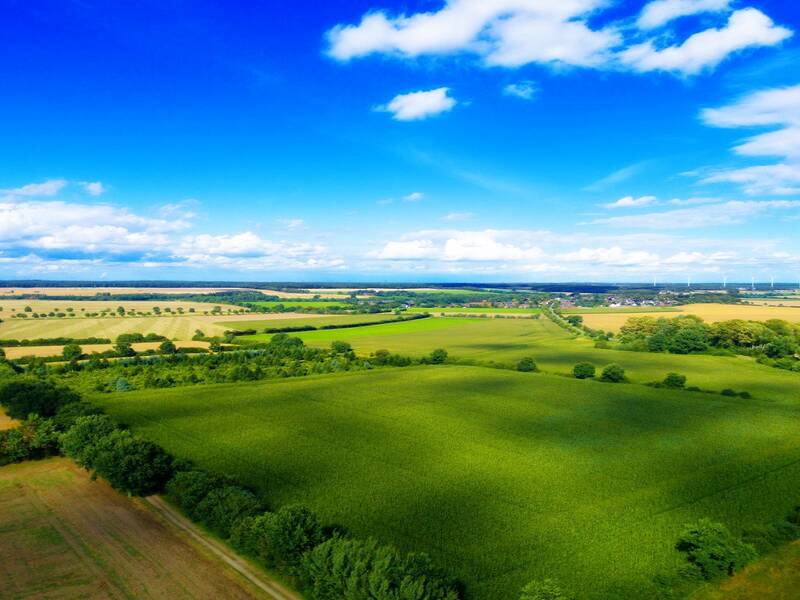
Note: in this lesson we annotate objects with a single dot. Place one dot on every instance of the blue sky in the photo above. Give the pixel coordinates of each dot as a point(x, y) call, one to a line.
point(420, 141)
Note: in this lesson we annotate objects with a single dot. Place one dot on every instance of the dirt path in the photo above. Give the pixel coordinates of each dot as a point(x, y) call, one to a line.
point(271, 588)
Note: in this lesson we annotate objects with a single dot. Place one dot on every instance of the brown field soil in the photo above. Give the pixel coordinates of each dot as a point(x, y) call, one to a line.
point(14, 353)
point(65, 537)
point(711, 313)
point(774, 577)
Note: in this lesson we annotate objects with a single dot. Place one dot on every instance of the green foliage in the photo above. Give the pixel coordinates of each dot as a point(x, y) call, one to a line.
point(345, 568)
point(187, 489)
point(34, 438)
point(584, 370)
point(613, 374)
point(71, 352)
point(688, 341)
point(131, 464)
point(167, 347)
point(68, 414)
point(280, 538)
point(674, 380)
point(22, 397)
point(545, 589)
point(80, 441)
point(223, 506)
point(526, 365)
point(438, 356)
point(713, 550)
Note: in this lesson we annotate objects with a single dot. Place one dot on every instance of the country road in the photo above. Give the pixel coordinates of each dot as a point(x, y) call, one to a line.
point(272, 589)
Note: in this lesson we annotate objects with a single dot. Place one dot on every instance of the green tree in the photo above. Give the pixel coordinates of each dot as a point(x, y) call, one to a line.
point(438, 356)
point(583, 370)
point(26, 396)
point(121, 311)
point(130, 464)
point(290, 532)
point(80, 441)
point(167, 347)
point(526, 365)
point(674, 380)
point(687, 341)
point(124, 349)
point(222, 507)
point(613, 373)
point(188, 489)
point(714, 550)
point(72, 352)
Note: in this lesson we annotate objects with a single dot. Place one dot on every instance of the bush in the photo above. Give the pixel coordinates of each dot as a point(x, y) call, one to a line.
point(583, 370)
point(26, 396)
point(345, 568)
point(687, 341)
point(68, 414)
point(713, 550)
point(131, 464)
point(34, 438)
point(546, 589)
point(613, 373)
point(167, 347)
point(526, 365)
point(80, 440)
point(728, 392)
point(222, 507)
point(279, 538)
point(674, 380)
point(188, 488)
point(71, 352)
point(438, 356)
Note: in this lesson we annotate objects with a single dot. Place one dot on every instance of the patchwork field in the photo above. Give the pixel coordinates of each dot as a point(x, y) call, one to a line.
point(435, 310)
point(175, 327)
point(311, 320)
point(501, 476)
point(710, 313)
point(10, 307)
point(92, 291)
point(309, 304)
point(16, 352)
point(65, 537)
point(554, 350)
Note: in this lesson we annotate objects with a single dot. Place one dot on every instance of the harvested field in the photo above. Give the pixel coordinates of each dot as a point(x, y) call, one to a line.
point(14, 353)
point(7, 422)
point(92, 291)
point(11, 307)
point(66, 537)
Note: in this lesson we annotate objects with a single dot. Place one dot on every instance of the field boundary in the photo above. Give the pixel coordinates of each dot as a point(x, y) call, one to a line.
point(272, 588)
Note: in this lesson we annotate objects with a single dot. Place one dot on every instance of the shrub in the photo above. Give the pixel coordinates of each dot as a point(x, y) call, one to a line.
point(674, 380)
point(713, 550)
point(526, 365)
point(345, 568)
point(131, 464)
point(68, 414)
point(687, 341)
point(438, 356)
point(71, 352)
point(188, 488)
point(34, 438)
point(583, 370)
point(222, 507)
point(26, 396)
point(80, 440)
point(279, 538)
point(546, 589)
point(728, 392)
point(167, 347)
point(613, 373)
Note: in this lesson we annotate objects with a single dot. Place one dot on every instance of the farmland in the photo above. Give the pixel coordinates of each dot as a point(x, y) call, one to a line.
point(304, 320)
point(488, 310)
point(17, 352)
point(306, 304)
point(501, 476)
point(711, 313)
point(64, 536)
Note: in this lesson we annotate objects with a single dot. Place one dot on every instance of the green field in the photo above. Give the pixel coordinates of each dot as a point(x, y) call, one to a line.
point(501, 476)
point(475, 310)
point(317, 321)
point(555, 350)
point(618, 310)
point(301, 303)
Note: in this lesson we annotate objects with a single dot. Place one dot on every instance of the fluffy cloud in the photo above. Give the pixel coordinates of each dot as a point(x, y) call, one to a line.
point(778, 110)
point(746, 28)
point(414, 197)
point(660, 12)
point(513, 33)
point(631, 202)
point(50, 187)
point(526, 90)
point(94, 188)
point(725, 213)
point(416, 106)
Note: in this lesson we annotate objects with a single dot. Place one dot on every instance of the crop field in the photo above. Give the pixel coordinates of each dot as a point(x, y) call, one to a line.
point(774, 577)
point(66, 537)
point(313, 304)
point(475, 310)
point(311, 320)
point(594, 310)
point(501, 476)
point(505, 341)
point(11, 307)
point(710, 313)
point(92, 291)
point(16, 352)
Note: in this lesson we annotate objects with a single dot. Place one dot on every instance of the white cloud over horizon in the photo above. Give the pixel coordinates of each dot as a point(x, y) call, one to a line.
point(631, 202)
point(660, 12)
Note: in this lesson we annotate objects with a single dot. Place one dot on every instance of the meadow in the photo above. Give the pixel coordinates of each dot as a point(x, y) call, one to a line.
point(501, 476)
point(304, 320)
point(711, 313)
point(489, 310)
point(505, 341)
point(300, 303)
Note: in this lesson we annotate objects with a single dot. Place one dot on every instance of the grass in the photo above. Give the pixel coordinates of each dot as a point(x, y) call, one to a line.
point(302, 303)
point(502, 476)
point(507, 340)
point(774, 577)
point(305, 321)
point(475, 310)
point(66, 537)
point(710, 313)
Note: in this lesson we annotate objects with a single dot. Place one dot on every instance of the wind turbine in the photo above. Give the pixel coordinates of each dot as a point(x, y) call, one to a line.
point(724, 281)
point(753, 283)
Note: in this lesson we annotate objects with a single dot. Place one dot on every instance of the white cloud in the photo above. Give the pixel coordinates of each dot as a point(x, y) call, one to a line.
point(458, 216)
point(660, 12)
point(727, 213)
point(93, 188)
point(408, 250)
point(779, 110)
point(526, 90)
point(50, 187)
point(414, 197)
point(746, 28)
point(293, 224)
point(631, 202)
point(415, 106)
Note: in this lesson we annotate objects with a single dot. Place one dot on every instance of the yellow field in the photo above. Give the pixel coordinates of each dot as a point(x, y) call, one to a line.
point(7, 422)
point(40, 351)
point(776, 302)
point(711, 313)
point(173, 327)
point(11, 307)
point(91, 291)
